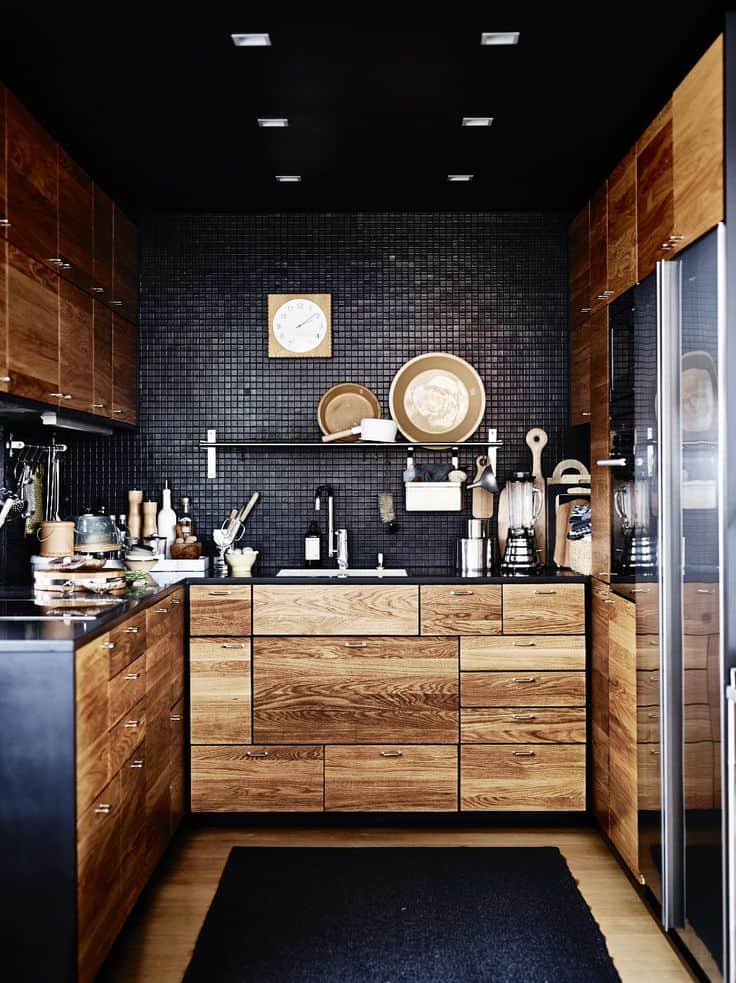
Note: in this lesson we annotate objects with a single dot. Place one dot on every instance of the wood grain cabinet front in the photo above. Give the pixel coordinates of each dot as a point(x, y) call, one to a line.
point(127, 643)
point(527, 688)
point(523, 725)
point(353, 690)
point(622, 272)
point(580, 410)
point(522, 777)
point(32, 328)
point(257, 779)
point(76, 348)
point(75, 223)
point(220, 692)
point(336, 610)
point(514, 653)
point(655, 193)
point(132, 829)
point(124, 372)
point(622, 734)
point(459, 610)
point(549, 609)
point(579, 254)
point(219, 611)
point(386, 778)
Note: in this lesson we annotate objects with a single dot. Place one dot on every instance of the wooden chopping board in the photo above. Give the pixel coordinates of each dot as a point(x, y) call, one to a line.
point(482, 502)
point(536, 440)
point(502, 519)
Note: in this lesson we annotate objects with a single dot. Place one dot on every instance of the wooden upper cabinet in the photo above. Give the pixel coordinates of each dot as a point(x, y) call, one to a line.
point(4, 377)
point(622, 226)
point(655, 212)
point(125, 267)
point(697, 132)
point(32, 184)
point(622, 730)
point(102, 210)
point(75, 222)
point(599, 292)
point(579, 256)
point(580, 372)
point(3, 165)
point(33, 328)
point(600, 441)
point(102, 360)
point(76, 348)
point(124, 371)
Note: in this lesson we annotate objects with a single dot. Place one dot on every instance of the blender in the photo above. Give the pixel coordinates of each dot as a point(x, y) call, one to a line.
point(525, 504)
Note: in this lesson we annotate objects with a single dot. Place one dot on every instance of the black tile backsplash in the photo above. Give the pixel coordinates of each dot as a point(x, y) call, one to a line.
point(491, 288)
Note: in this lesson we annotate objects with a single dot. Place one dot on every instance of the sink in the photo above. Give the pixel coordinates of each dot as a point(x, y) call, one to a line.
point(343, 574)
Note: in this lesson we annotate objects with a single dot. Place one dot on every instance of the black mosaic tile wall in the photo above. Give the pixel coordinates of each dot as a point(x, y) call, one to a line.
point(491, 288)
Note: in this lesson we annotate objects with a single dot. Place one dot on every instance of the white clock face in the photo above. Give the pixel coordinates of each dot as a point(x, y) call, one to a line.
point(299, 325)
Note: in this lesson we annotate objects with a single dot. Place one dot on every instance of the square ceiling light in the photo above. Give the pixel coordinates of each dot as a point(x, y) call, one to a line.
point(499, 37)
point(477, 120)
point(272, 121)
point(288, 178)
point(459, 178)
point(251, 40)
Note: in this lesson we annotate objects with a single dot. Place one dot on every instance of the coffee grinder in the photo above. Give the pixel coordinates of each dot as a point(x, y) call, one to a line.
point(520, 558)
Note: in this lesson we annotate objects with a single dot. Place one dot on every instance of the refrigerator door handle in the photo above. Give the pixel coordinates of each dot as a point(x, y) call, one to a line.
point(731, 824)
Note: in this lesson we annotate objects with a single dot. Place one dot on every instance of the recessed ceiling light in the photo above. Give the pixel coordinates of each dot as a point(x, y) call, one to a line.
point(288, 178)
point(499, 37)
point(477, 120)
point(269, 121)
point(251, 40)
point(459, 178)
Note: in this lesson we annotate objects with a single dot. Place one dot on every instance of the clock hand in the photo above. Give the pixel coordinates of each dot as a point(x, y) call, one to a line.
point(311, 316)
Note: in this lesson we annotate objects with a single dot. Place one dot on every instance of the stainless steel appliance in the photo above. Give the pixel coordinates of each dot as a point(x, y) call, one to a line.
point(476, 550)
point(669, 397)
point(520, 557)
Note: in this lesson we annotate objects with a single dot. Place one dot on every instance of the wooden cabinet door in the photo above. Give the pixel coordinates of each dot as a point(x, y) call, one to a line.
point(655, 213)
point(217, 610)
point(32, 185)
point(125, 267)
point(599, 292)
point(600, 604)
point(579, 255)
point(461, 610)
point(219, 677)
point(4, 376)
point(522, 689)
point(622, 226)
point(98, 879)
point(132, 830)
point(370, 609)
point(76, 348)
point(515, 778)
point(600, 442)
point(622, 732)
point(352, 691)
point(33, 328)
point(75, 223)
point(102, 360)
point(549, 609)
point(580, 372)
point(697, 134)
point(92, 717)
point(3, 164)
point(176, 775)
point(124, 370)
point(102, 244)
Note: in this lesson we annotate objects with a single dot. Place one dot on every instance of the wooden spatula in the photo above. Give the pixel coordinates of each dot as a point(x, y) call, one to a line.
point(536, 440)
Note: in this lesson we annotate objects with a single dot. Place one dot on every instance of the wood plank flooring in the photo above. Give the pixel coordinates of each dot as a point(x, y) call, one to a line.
point(157, 943)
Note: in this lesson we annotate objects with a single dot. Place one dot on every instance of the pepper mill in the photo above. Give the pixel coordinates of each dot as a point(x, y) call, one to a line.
point(135, 499)
point(150, 511)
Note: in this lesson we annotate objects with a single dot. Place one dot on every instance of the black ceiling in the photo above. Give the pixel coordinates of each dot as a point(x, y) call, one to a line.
point(157, 103)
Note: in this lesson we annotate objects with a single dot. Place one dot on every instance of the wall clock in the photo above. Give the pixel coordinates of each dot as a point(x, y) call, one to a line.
point(299, 326)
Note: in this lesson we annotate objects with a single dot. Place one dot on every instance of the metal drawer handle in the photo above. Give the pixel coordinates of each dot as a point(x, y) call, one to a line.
point(162, 610)
point(523, 754)
point(524, 679)
point(107, 645)
point(132, 631)
point(5, 223)
point(120, 412)
point(5, 378)
point(652, 716)
point(612, 462)
point(653, 644)
point(704, 590)
point(639, 590)
point(97, 406)
point(132, 724)
point(607, 600)
point(175, 717)
point(391, 754)
point(133, 675)
point(523, 716)
point(523, 645)
point(103, 808)
point(356, 645)
point(256, 754)
point(176, 600)
point(461, 593)
point(545, 591)
point(653, 751)
point(226, 645)
point(654, 679)
point(220, 593)
point(97, 290)
point(138, 763)
point(585, 413)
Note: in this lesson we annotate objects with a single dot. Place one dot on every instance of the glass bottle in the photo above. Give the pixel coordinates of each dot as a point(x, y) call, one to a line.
point(312, 545)
point(186, 522)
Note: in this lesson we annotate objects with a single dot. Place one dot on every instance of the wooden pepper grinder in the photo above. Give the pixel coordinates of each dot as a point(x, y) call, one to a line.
point(150, 511)
point(135, 499)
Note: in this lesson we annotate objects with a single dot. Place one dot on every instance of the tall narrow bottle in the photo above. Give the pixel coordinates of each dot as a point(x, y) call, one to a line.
point(166, 523)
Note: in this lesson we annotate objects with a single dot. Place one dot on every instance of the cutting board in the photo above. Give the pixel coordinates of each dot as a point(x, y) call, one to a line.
point(502, 520)
point(482, 502)
point(536, 440)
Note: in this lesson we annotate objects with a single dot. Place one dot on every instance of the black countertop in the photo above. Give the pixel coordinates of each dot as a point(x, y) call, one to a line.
point(67, 635)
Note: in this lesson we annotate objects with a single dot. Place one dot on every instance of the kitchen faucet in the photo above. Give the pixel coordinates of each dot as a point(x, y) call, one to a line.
point(337, 539)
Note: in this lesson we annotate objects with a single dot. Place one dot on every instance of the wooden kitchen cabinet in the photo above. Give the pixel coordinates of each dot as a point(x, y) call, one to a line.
point(522, 689)
point(102, 244)
point(579, 258)
point(124, 370)
point(33, 328)
point(125, 267)
point(75, 223)
point(600, 444)
point(599, 292)
point(621, 236)
point(622, 731)
point(507, 725)
point(133, 830)
point(219, 678)
point(537, 777)
point(460, 610)
point(3, 164)
point(177, 804)
point(655, 211)
point(76, 348)
point(599, 687)
point(219, 610)
point(339, 610)
point(580, 372)
point(32, 184)
point(102, 360)
point(512, 653)
point(549, 609)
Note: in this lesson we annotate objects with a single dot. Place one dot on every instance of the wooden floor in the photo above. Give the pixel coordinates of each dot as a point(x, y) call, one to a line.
point(158, 940)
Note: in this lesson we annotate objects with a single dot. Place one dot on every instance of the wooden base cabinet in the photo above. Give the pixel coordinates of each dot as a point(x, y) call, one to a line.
point(547, 778)
point(380, 778)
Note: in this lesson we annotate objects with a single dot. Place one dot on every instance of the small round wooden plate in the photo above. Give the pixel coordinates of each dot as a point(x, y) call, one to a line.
point(344, 406)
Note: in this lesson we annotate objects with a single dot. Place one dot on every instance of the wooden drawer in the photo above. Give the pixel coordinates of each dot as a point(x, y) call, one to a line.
point(522, 689)
point(164, 620)
point(217, 610)
point(132, 829)
point(508, 652)
point(523, 777)
point(335, 610)
point(126, 689)
point(695, 687)
point(126, 735)
point(177, 806)
point(355, 690)
point(528, 725)
point(700, 609)
point(549, 609)
point(257, 779)
point(461, 610)
point(698, 724)
point(128, 642)
point(219, 674)
point(91, 711)
point(698, 776)
point(381, 778)
point(695, 651)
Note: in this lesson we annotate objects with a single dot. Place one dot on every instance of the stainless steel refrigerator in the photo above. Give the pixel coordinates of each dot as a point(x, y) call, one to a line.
point(670, 401)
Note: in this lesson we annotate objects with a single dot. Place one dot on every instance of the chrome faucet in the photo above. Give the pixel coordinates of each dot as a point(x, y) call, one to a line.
point(327, 490)
point(341, 538)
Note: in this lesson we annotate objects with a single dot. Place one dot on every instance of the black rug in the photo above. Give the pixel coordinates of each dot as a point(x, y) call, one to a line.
point(399, 915)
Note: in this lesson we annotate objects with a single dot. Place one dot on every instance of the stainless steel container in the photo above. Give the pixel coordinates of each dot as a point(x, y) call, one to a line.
point(476, 554)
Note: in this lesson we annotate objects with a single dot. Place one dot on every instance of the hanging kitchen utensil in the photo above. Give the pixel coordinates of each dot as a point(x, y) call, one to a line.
point(456, 474)
point(344, 406)
point(482, 500)
point(410, 472)
point(536, 440)
point(369, 429)
point(437, 396)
